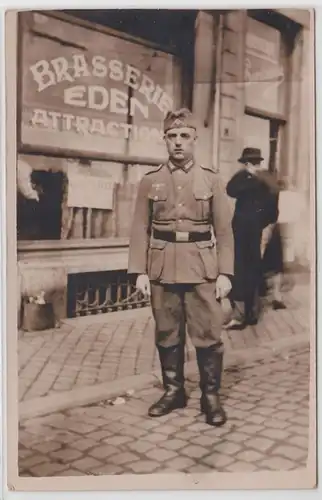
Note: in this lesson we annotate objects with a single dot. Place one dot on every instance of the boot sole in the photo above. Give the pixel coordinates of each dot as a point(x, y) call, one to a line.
point(209, 421)
point(215, 424)
point(177, 407)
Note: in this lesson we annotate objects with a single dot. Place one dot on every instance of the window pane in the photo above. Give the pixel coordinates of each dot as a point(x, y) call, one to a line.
point(264, 68)
point(256, 135)
point(39, 218)
point(84, 90)
point(164, 71)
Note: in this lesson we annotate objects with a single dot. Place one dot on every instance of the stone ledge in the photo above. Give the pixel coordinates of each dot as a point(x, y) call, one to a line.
point(58, 245)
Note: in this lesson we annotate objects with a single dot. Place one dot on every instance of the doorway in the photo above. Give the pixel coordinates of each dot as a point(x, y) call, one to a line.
point(256, 135)
point(263, 133)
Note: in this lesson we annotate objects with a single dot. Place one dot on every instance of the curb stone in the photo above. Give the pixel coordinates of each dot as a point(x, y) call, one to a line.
point(82, 396)
point(95, 393)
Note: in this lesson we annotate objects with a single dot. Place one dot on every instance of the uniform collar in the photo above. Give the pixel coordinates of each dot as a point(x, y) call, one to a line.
point(186, 167)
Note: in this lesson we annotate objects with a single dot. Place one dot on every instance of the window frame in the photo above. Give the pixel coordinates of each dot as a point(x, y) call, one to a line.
point(186, 90)
point(289, 30)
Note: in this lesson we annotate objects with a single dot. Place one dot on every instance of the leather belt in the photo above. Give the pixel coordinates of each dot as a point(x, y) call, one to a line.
point(181, 236)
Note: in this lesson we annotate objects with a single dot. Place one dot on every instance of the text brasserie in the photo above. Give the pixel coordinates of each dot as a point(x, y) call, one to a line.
point(49, 73)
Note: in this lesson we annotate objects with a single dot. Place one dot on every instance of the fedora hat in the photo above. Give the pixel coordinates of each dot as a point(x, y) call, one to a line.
point(251, 154)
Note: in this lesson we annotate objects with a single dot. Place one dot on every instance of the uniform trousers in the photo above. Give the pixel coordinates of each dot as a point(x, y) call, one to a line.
point(193, 305)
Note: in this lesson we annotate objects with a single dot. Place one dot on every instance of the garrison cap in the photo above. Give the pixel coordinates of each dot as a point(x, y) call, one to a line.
point(180, 118)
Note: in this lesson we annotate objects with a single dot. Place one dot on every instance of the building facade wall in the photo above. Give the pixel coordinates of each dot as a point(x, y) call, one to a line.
point(97, 239)
point(293, 160)
point(304, 175)
point(203, 85)
point(231, 93)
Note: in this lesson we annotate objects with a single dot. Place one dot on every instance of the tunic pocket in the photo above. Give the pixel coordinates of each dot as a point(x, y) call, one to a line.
point(156, 259)
point(158, 196)
point(207, 252)
point(158, 192)
point(203, 197)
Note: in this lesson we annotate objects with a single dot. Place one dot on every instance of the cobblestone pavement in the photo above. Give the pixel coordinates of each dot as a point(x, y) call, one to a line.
point(98, 349)
point(267, 405)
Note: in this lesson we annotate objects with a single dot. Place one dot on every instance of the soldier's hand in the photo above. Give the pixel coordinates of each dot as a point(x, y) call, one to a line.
point(143, 284)
point(223, 286)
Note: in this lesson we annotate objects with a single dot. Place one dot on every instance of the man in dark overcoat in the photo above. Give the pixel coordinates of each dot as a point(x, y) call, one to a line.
point(181, 249)
point(253, 187)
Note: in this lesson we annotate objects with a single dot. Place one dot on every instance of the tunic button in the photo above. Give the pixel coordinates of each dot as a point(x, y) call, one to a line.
point(179, 187)
point(205, 197)
point(180, 204)
point(155, 197)
point(179, 221)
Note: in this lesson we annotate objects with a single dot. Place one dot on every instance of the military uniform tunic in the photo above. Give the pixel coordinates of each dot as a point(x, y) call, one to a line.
point(182, 273)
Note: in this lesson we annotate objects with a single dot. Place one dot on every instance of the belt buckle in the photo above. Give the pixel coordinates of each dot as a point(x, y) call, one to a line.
point(182, 236)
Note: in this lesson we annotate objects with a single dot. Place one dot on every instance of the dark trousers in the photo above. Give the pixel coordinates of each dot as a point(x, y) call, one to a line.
point(195, 305)
point(248, 263)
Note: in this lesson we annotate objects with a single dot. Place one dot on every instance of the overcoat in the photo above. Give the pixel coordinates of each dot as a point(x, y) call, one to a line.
point(255, 209)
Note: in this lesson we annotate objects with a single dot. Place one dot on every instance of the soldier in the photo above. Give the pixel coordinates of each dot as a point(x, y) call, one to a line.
point(178, 263)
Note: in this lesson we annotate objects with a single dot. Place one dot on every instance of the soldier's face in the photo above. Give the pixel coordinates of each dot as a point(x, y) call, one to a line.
point(180, 143)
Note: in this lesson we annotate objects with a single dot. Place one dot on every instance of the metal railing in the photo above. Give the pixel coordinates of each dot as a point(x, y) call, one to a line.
point(102, 292)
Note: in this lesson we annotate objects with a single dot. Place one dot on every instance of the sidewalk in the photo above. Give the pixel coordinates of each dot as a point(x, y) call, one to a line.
point(88, 351)
point(267, 429)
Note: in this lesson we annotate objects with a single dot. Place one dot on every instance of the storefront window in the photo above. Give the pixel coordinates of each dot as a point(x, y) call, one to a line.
point(40, 218)
point(91, 92)
point(265, 71)
point(68, 199)
point(91, 101)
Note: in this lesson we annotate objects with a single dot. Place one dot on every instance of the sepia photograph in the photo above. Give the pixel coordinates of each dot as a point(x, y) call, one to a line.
point(161, 267)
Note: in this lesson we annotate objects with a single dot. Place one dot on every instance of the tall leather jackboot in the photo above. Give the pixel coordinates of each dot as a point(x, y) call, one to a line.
point(172, 367)
point(210, 364)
